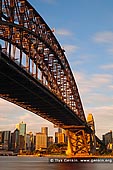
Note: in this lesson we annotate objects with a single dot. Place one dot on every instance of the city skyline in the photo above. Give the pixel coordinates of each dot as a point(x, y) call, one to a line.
point(85, 30)
point(22, 127)
point(22, 142)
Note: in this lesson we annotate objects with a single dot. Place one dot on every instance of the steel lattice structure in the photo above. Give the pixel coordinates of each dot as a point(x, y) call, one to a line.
point(30, 42)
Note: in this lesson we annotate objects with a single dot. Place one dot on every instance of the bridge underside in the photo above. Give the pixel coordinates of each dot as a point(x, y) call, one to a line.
point(19, 87)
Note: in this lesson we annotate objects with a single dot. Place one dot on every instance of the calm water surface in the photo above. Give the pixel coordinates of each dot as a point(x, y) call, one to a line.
point(36, 163)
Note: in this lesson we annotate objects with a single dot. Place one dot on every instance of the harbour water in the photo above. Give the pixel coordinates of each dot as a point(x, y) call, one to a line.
point(43, 163)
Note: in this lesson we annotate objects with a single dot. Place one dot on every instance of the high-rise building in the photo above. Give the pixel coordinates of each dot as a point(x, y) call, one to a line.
point(59, 137)
point(17, 126)
point(22, 143)
point(15, 141)
point(41, 141)
point(50, 140)
point(28, 142)
point(22, 129)
point(44, 130)
point(22, 135)
point(6, 140)
point(32, 140)
point(107, 138)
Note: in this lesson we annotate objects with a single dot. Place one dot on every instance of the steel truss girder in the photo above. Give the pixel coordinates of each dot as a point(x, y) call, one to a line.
point(29, 38)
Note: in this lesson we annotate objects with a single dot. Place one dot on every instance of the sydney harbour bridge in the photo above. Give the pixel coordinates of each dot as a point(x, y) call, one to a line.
point(35, 74)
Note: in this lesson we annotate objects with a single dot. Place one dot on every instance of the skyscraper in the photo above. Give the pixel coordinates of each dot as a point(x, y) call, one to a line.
point(50, 140)
point(22, 129)
point(41, 141)
point(32, 140)
point(44, 130)
point(6, 140)
point(28, 142)
point(22, 135)
point(15, 140)
point(59, 137)
point(107, 138)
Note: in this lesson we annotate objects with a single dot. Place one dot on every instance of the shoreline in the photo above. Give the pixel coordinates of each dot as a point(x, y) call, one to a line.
point(64, 156)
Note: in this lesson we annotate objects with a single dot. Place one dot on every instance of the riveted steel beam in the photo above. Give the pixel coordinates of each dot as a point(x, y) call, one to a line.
point(27, 34)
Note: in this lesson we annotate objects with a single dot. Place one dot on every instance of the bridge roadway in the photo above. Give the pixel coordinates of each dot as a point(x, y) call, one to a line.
point(20, 87)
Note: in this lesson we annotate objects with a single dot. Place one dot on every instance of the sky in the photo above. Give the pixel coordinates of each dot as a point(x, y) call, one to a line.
point(84, 28)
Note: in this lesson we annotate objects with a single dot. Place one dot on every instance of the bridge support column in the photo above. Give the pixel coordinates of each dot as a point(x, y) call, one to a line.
point(78, 143)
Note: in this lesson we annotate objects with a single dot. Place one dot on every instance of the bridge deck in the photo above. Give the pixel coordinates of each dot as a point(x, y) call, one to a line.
point(23, 89)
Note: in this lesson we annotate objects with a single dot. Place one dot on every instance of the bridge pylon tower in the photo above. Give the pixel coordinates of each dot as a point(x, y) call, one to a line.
point(78, 143)
point(91, 137)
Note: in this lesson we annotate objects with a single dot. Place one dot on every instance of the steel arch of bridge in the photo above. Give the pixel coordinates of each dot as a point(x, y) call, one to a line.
point(30, 42)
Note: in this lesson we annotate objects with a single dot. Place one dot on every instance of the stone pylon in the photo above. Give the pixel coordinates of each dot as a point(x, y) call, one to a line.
point(90, 121)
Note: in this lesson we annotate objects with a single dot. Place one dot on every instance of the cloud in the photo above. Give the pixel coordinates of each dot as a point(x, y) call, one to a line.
point(110, 50)
point(101, 79)
point(63, 32)
point(95, 89)
point(3, 118)
point(70, 48)
point(11, 114)
point(107, 67)
point(31, 118)
point(91, 81)
point(6, 107)
point(80, 61)
point(34, 122)
point(111, 86)
point(103, 116)
point(95, 92)
point(104, 37)
point(97, 99)
point(96, 95)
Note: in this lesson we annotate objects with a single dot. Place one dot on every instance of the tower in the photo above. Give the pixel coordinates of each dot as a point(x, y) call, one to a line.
point(44, 130)
point(22, 128)
point(91, 138)
point(22, 135)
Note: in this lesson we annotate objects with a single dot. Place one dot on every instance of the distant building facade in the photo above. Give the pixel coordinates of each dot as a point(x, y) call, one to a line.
point(22, 135)
point(50, 140)
point(59, 137)
point(107, 138)
point(28, 142)
point(32, 141)
point(44, 130)
point(41, 141)
point(6, 137)
point(15, 140)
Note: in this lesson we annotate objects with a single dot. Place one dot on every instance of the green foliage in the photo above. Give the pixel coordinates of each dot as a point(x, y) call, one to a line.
point(58, 148)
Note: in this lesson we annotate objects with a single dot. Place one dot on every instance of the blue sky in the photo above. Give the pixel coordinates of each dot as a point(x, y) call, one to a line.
point(84, 28)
